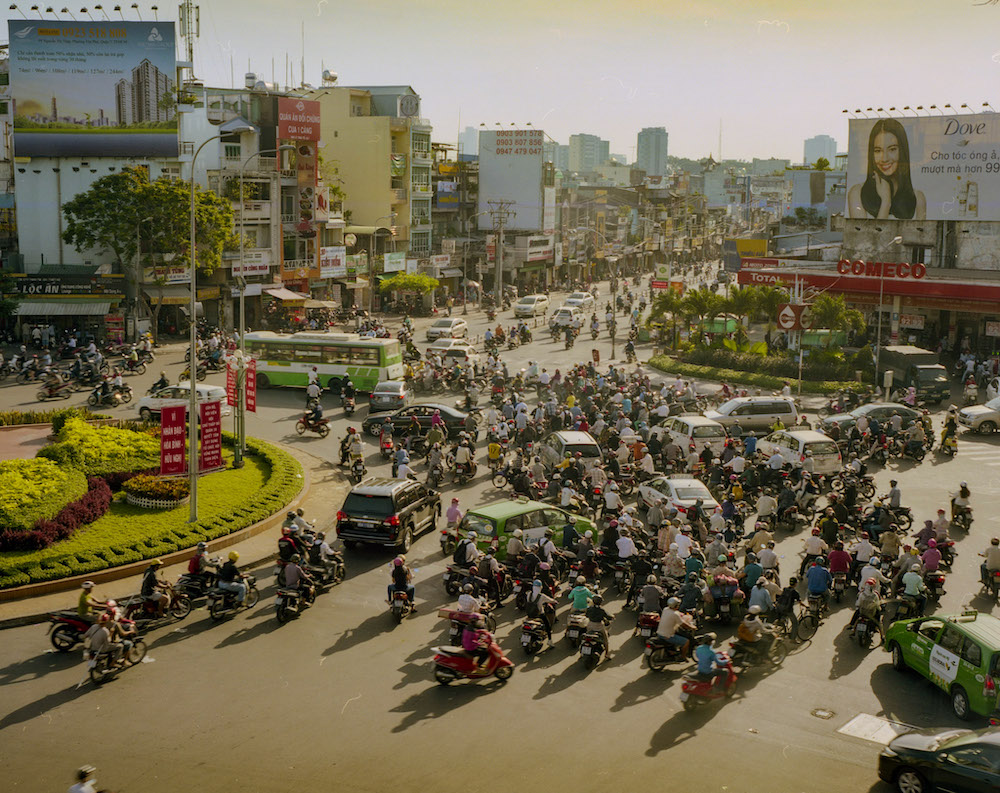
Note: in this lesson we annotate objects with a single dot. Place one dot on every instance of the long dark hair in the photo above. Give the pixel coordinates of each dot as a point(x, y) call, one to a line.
point(904, 202)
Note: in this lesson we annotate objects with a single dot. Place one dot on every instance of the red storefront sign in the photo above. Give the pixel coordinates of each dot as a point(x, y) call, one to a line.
point(298, 119)
point(211, 435)
point(172, 423)
point(881, 269)
point(231, 383)
point(251, 385)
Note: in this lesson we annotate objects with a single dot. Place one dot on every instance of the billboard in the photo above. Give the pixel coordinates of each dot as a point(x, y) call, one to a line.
point(298, 119)
point(333, 262)
point(733, 251)
point(93, 89)
point(510, 169)
point(930, 167)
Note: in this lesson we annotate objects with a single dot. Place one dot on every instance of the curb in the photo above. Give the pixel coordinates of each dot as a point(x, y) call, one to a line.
point(125, 571)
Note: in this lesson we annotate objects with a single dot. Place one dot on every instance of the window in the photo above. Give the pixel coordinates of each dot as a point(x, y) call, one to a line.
point(763, 408)
point(972, 757)
point(232, 151)
point(365, 355)
point(405, 499)
point(930, 628)
point(512, 524)
point(277, 352)
point(534, 520)
point(972, 653)
point(553, 517)
point(336, 355)
point(951, 640)
point(310, 354)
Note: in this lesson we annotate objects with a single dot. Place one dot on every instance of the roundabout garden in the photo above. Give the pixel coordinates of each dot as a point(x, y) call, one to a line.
point(93, 500)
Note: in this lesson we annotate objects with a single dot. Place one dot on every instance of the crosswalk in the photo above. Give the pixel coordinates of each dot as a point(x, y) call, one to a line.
point(988, 456)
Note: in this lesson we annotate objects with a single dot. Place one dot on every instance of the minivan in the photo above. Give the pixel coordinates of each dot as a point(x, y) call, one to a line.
point(452, 350)
point(531, 306)
point(793, 445)
point(755, 413)
point(557, 444)
point(685, 430)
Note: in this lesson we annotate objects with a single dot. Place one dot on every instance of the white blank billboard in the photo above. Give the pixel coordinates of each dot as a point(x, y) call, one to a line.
point(510, 169)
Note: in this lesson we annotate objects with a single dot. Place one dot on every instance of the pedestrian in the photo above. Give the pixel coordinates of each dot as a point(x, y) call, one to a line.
point(450, 302)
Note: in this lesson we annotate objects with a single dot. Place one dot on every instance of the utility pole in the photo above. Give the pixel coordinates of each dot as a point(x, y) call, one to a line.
point(500, 212)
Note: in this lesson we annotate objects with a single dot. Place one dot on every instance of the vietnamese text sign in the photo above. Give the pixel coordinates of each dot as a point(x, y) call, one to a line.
point(231, 375)
point(927, 167)
point(172, 420)
point(298, 119)
point(913, 321)
point(333, 262)
point(510, 169)
point(394, 262)
point(211, 435)
point(734, 250)
point(93, 88)
point(251, 385)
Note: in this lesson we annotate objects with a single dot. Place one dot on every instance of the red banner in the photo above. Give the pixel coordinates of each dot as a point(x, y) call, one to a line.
point(251, 385)
point(231, 383)
point(298, 119)
point(172, 421)
point(211, 435)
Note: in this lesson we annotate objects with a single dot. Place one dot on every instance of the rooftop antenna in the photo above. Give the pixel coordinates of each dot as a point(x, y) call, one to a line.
point(37, 11)
point(190, 29)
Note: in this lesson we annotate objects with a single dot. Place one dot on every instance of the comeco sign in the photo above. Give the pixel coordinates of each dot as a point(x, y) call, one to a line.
point(881, 269)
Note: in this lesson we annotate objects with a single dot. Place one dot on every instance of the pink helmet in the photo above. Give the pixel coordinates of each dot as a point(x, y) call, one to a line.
point(932, 543)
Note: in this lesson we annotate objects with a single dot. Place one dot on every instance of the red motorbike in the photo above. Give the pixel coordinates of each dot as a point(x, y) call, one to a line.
point(67, 629)
point(61, 391)
point(321, 427)
point(454, 663)
point(696, 690)
point(385, 445)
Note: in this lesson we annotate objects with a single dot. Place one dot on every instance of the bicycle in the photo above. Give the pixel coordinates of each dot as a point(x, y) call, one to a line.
point(810, 616)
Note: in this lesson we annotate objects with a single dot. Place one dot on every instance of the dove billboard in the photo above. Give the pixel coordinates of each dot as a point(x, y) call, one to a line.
point(925, 168)
point(94, 89)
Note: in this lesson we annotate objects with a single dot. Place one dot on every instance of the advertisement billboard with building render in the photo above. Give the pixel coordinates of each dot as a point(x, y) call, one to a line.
point(510, 169)
point(926, 168)
point(93, 88)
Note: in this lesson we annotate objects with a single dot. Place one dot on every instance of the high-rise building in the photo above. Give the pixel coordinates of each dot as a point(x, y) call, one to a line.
point(123, 103)
point(562, 157)
point(151, 94)
point(586, 152)
point(468, 141)
point(651, 151)
point(819, 146)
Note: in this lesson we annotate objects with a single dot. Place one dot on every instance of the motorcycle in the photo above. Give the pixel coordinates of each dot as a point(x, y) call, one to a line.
point(133, 367)
point(864, 630)
point(934, 581)
point(321, 427)
point(839, 586)
point(453, 663)
point(902, 448)
point(747, 657)
point(449, 541)
point(435, 475)
point(591, 648)
point(288, 604)
point(358, 469)
point(197, 585)
point(576, 626)
point(962, 519)
point(697, 690)
point(143, 612)
point(102, 667)
point(385, 445)
point(453, 576)
point(400, 606)
point(623, 576)
point(67, 629)
point(992, 588)
point(111, 399)
point(594, 333)
point(222, 603)
point(349, 406)
point(61, 391)
point(463, 473)
point(532, 635)
point(200, 373)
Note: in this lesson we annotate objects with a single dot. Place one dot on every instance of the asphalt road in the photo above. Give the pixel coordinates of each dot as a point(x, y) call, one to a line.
point(341, 698)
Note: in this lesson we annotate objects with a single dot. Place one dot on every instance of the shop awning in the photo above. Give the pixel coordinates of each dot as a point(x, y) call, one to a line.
point(321, 304)
point(366, 231)
point(62, 308)
point(452, 272)
point(286, 295)
point(178, 294)
point(360, 283)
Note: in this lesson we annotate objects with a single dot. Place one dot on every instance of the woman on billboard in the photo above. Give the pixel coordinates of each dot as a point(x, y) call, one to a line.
point(887, 191)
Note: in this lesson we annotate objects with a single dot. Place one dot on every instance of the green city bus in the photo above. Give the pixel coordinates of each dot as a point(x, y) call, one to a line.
point(286, 359)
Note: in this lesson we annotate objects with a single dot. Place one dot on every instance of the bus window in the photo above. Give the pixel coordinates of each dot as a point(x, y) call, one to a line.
point(309, 354)
point(365, 355)
point(276, 352)
point(341, 355)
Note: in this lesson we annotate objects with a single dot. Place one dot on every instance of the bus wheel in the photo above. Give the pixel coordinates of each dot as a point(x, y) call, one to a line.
point(263, 381)
point(334, 384)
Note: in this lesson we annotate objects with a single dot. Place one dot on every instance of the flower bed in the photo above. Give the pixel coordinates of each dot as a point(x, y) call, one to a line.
point(32, 490)
point(56, 417)
point(667, 364)
point(154, 492)
point(102, 450)
point(91, 506)
point(228, 501)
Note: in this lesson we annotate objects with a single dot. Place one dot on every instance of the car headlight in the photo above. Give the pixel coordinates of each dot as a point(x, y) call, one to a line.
point(887, 752)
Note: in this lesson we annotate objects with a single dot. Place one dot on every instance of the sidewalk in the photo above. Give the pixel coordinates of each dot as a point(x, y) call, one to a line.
point(22, 442)
point(326, 492)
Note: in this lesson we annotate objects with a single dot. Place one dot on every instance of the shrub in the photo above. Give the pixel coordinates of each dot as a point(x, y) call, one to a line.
point(91, 506)
point(157, 487)
point(667, 364)
point(820, 365)
point(102, 450)
point(31, 490)
point(9, 418)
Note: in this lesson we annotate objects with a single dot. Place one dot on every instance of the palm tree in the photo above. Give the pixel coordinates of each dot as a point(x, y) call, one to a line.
point(703, 304)
point(831, 312)
point(741, 302)
point(668, 301)
point(768, 298)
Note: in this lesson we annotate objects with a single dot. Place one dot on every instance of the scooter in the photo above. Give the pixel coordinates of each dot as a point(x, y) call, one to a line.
point(949, 444)
point(67, 629)
point(111, 399)
point(400, 606)
point(222, 603)
point(102, 667)
point(385, 445)
point(453, 663)
point(576, 626)
point(864, 630)
point(591, 648)
point(321, 427)
point(696, 690)
point(358, 469)
point(348, 406)
point(61, 391)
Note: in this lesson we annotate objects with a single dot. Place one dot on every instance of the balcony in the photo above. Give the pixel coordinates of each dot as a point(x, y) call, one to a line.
point(420, 221)
point(290, 218)
point(421, 189)
point(253, 210)
point(421, 156)
point(399, 195)
point(186, 148)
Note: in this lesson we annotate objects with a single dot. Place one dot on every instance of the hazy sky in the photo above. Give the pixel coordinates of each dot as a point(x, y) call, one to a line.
point(772, 72)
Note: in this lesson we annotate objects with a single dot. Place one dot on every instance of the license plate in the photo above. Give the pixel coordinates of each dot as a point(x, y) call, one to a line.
point(724, 607)
point(366, 524)
point(645, 632)
point(649, 651)
point(862, 628)
point(619, 574)
point(277, 601)
point(573, 634)
point(525, 640)
point(586, 649)
point(517, 589)
point(684, 696)
point(446, 576)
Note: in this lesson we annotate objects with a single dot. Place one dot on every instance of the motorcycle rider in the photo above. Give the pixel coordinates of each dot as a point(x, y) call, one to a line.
point(710, 663)
point(154, 590)
point(598, 620)
point(540, 606)
point(670, 620)
point(868, 605)
point(992, 563)
point(200, 565)
point(753, 634)
point(466, 552)
point(960, 500)
point(87, 605)
point(163, 382)
point(231, 579)
point(476, 641)
point(99, 641)
point(402, 581)
point(814, 549)
point(914, 587)
point(351, 445)
point(515, 547)
point(297, 578)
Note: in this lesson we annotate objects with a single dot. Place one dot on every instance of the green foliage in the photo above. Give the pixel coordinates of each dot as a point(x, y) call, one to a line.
point(98, 451)
point(34, 490)
point(831, 311)
point(10, 418)
point(815, 366)
point(228, 501)
point(667, 364)
point(8, 300)
point(409, 282)
point(822, 164)
point(157, 487)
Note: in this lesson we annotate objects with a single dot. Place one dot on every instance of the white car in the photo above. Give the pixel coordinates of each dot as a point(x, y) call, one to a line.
point(531, 306)
point(449, 328)
point(981, 418)
point(680, 492)
point(582, 300)
point(565, 315)
point(180, 394)
point(451, 350)
point(993, 388)
point(793, 445)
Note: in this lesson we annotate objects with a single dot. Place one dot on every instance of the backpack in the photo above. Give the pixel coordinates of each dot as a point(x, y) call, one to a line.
point(459, 556)
point(193, 564)
point(531, 607)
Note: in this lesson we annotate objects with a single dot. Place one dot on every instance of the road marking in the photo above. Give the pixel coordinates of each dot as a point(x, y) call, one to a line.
point(874, 729)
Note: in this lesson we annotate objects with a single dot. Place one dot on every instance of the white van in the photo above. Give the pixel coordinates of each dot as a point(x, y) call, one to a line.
point(531, 306)
point(452, 350)
point(755, 413)
point(793, 445)
point(685, 430)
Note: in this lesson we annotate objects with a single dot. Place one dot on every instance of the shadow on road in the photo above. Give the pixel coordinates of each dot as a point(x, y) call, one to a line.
point(912, 700)
point(182, 632)
point(261, 628)
point(352, 637)
point(847, 655)
point(37, 667)
point(440, 700)
point(643, 689)
point(46, 704)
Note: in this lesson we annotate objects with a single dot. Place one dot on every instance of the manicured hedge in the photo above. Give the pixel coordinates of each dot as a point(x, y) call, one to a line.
point(157, 487)
point(32, 490)
point(228, 501)
point(667, 364)
point(783, 366)
point(10, 418)
point(91, 506)
point(102, 450)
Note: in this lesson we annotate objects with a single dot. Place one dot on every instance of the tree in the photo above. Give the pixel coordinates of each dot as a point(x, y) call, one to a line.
point(703, 304)
point(410, 282)
point(741, 302)
point(9, 301)
point(768, 298)
point(822, 164)
point(668, 301)
point(831, 312)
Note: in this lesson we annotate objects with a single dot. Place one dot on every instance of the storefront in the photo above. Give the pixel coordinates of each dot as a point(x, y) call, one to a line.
point(88, 305)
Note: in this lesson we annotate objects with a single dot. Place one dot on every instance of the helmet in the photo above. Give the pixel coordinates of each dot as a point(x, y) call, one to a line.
point(87, 584)
point(544, 566)
point(651, 579)
point(202, 546)
point(471, 535)
point(751, 557)
point(105, 617)
point(296, 558)
point(674, 602)
point(549, 532)
point(723, 557)
point(755, 609)
point(518, 532)
point(873, 560)
point(932, 543)
point(320, 535)
point(291, 516)
point(588, 534)
point(234, 556)
point(815, 532)
point(286, 531)
point(963, 484)
point(156, 563)
point(591, 553)
point(398, 561)
point(580, 580)
point(467, 588)
point(613, 524)
point(733, 477)
point(536, 583)
point(598, 600)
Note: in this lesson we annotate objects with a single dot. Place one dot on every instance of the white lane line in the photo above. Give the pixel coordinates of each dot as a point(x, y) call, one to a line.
point(874, 728)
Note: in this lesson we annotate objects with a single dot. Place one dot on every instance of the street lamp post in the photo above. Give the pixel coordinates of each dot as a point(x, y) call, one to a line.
point(372, 259)
point(193, 335)
point(138, 280)
point(881, 290)
point(241, 370)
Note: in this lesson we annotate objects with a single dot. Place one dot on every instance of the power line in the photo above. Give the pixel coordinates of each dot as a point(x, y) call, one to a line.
point(500, 211)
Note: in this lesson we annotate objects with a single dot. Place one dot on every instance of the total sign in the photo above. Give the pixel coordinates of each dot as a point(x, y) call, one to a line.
point(794, 317)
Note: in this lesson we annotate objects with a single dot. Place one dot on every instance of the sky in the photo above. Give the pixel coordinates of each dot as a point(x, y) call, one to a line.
point(770, 73)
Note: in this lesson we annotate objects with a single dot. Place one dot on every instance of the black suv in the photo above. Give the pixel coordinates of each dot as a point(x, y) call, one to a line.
point(388, 512)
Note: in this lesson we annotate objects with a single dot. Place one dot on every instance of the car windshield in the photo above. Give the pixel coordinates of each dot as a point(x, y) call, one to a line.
point(361, 504)
point(691, 492)
point(993, 404)
point(725, 407)
point(708, 431)
point(484, 527)
point(388, 388)
point(822, 447)
point(526, 301)
point(443, 323)
point(579, 296)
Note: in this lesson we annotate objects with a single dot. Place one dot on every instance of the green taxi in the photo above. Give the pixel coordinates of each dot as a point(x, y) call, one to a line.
point(498, 521)
point(960, 654)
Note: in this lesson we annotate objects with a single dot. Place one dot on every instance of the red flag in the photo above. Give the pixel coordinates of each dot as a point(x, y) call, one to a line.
point(172, 424)
point(231, 382)
point(251, 385)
